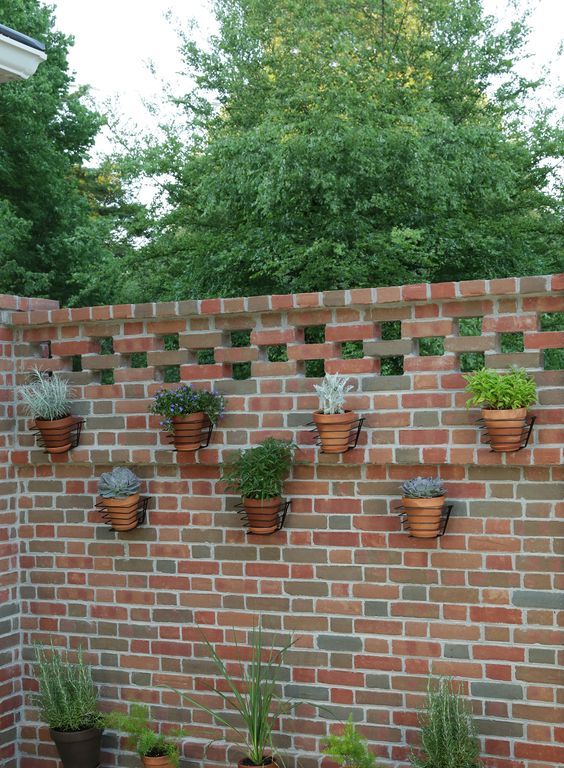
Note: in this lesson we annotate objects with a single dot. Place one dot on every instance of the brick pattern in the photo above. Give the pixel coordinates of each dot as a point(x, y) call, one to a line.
point(375, 611)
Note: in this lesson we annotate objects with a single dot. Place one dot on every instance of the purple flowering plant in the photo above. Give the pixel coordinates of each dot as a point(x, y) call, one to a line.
point(185, 400)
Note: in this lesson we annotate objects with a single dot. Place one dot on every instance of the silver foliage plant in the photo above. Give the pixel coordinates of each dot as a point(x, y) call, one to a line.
point(423, 488)
point(67, 698)
point(118, 484)
point(46, 397)
point(332, 392)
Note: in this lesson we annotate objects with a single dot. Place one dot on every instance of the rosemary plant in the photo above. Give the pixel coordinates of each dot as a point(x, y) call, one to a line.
point(448, 736)
point(67, 698)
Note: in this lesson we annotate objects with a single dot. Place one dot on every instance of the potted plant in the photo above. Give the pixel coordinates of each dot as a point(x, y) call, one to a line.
point(119, 490)
point(47, 400)
point(185, 412)
point(448, 735)
point(422, 501)
point(154, 749)
point(504, 399)
point(253, 696)
point(333, 422)
point(68, 703)
point(258, 474)
point(350, 749)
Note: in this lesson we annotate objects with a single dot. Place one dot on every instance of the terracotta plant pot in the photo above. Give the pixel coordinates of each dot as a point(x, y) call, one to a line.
point(262, 515)
point(78, 749)
point(268, 762)
point(424, 516)
point(123, 513)
point(163, 761)
point(188, 431)
point(57, 435)
point(505, 428)
point(334, 430)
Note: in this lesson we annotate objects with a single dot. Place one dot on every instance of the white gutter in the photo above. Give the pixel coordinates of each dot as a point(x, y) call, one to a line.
point(18, 61)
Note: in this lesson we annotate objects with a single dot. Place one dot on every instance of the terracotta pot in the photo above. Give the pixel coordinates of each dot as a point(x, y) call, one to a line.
point(57, 435)
point(262, 515)
point(78, 749)
point(268, 762)
point(163, 761)
point(188, 431)
point(334, 430)
point(424, 516)
point(123, 513)
point(505, 428)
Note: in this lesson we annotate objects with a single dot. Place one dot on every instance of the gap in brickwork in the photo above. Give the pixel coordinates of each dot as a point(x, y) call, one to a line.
point(511, 342)
point(553, 359)
point(391, 366)
point(432, 345)
point(205, 356)
point(277, 353)
point(470, 326)
point(352, 350)
point(471, 361)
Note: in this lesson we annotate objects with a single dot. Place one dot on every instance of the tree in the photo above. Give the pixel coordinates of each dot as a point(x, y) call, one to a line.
point(50, 227)
point(341, 143)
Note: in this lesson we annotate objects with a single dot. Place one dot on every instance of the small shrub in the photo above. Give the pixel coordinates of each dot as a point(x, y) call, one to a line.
point(259, 473)
point(350, 750)
point(501, 391)
point(142, 738)
point(448, 736)
point(46, 397)
point(67, 698)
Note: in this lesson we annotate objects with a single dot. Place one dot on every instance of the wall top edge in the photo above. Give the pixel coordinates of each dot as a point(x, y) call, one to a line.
point(29, 311)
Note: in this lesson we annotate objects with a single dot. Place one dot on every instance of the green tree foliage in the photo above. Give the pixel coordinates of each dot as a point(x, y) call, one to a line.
point(52, 227)
point(340, 143)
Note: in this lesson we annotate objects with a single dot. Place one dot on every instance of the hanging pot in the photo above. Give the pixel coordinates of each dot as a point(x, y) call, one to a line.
point(334, 430)
point(78, 749)
point(505, 428)
point(262, 514)
point(57, 435)
point(424, 516)
point(187, 432)
point(123, 513)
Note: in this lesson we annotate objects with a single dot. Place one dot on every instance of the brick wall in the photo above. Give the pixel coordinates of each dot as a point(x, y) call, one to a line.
point(375, 611)
point(10, 645)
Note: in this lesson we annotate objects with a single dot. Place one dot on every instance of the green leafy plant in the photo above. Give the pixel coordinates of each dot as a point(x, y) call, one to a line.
point(448, 736)
point(501, 391)
point(142, 737)
point(118, 484)
point(185, 400)
point(253, 695)
point(46, 397)
point(259, 473)
point(67, 698)
point(423, 488)
point(350, 749)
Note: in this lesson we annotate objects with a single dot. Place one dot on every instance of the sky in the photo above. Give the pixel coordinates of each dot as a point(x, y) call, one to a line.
point(116, 39)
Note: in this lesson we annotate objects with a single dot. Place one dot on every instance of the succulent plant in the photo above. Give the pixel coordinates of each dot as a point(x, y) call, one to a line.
point(46, 397)
point(332, 391)
point(118, 484)
point(423, 488)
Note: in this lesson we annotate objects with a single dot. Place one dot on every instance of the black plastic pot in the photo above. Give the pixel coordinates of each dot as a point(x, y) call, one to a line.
point(78, 749)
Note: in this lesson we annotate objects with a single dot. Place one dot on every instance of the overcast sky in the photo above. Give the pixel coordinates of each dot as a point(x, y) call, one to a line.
point(115, 40)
